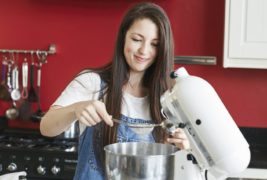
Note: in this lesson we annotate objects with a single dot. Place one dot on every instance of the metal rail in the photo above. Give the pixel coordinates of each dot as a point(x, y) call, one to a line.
point(51, 50)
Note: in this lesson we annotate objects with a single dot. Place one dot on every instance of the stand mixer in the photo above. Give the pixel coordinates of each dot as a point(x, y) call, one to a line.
point(217, 144)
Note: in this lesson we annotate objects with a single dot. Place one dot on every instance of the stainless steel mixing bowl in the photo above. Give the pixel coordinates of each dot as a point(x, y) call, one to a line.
point(140, 161)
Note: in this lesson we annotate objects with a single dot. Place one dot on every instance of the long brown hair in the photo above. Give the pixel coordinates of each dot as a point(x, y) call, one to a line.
point(156, 78)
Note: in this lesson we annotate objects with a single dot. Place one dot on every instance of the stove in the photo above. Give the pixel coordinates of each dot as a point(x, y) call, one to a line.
point(41, 157)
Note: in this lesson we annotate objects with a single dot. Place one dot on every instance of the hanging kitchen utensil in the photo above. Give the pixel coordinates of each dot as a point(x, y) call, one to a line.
point(9, 74)
point(24, 93)
point(32, 97)
point(4, 93)
point(25, 110)
point(12, 112)
point(42, 56)
point(37, 116)
point(15, 93)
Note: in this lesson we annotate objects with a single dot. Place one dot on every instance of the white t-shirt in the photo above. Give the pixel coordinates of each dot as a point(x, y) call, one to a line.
point(86, 87)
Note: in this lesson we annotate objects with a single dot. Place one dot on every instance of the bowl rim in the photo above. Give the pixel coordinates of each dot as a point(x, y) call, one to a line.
point(176, 149)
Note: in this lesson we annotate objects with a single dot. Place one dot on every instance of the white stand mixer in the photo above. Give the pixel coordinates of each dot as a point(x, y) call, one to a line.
point(217, 144)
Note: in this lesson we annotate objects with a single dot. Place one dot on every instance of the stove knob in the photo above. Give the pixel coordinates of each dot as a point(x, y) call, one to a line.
point(12, 167)
point(55, 170)
point(41, 170)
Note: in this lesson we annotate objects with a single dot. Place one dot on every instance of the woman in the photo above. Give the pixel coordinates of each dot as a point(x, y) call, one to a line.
point(128, 89)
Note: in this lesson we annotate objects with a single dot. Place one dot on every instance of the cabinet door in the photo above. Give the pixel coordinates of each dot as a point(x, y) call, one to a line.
point(245, 38)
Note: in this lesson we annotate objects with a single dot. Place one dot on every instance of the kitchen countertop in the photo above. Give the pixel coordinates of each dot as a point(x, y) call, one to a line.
point(249, 173)
point(254, 173)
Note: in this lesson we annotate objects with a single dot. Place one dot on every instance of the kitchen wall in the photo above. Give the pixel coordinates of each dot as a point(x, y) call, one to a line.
point(84, 32)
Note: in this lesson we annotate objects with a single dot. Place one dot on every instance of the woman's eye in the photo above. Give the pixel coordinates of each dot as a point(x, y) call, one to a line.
point(135, 39)
point(155, 44)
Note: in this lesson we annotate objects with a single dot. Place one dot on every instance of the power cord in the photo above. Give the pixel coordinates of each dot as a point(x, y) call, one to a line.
point(206, 174)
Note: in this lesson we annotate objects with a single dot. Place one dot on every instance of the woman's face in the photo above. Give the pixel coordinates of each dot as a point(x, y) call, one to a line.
point(140, 48)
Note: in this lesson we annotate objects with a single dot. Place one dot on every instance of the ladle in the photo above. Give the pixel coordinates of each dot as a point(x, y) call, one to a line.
point(15, 93)
point(13, 112)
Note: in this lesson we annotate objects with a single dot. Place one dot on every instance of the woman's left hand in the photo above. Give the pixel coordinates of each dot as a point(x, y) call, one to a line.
point(180, 139)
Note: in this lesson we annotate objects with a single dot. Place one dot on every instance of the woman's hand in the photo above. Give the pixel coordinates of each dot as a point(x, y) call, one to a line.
point(180, 139)
point(92, 112)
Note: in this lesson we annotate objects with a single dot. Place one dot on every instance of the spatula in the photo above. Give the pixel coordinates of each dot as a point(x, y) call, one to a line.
point(32, 96)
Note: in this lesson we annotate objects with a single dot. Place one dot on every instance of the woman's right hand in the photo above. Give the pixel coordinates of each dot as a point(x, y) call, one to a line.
point(92, 112)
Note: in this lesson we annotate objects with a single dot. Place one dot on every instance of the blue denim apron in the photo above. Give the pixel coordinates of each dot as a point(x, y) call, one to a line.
point(87, 166)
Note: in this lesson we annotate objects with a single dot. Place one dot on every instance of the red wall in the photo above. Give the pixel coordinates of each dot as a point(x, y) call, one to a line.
point(84, 32)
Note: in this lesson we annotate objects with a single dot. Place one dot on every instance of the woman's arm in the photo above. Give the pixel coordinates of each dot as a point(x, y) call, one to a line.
point(58, 119)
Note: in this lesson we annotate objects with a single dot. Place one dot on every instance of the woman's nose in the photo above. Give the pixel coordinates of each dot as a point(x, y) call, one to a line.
point(144, 49)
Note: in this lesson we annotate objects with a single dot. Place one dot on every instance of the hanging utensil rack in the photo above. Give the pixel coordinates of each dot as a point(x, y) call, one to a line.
point(51, 50)
point(10, 61)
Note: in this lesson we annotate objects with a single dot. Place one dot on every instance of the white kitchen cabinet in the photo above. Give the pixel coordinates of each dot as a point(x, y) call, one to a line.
point(245, 38)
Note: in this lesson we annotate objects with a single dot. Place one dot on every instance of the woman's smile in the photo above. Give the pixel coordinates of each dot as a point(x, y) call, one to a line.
point(140, 59)
point(140, 49)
